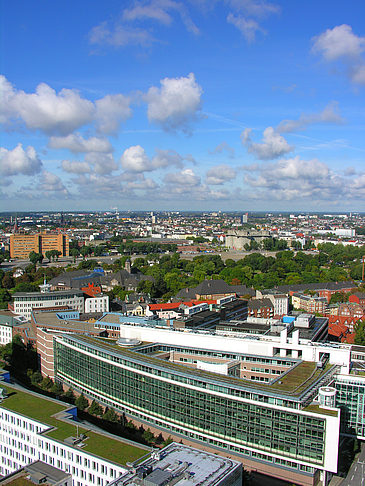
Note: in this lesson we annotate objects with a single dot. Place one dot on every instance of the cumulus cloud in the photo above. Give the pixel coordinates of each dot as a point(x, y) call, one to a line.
point(135, 159)
point(46, 110)
point(341, 44)
point(61, 113)
point(52, 185)
point(273, 144)
point(102, 163)
point(77, 144)
point(111, 111)
point(330, 114)
point(185, 177)
point(220, 174)
point(295, 179)
point(175, 104)
point(75, 167)
point(167, 158)
point(19, 161)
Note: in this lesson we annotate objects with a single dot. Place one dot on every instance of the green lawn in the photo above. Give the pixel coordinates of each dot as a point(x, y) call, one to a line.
point(39, 408)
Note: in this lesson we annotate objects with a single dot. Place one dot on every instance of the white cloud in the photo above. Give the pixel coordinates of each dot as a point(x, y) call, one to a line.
point(246, 15)
point(75, 167)
point(186, 177)
point(223, 146)
point(54, 113)
point(247, 27)
point(120, 35)
point(176, 103)
point(61, 113)
point(256, 8)
point(19, 161)
point(340, 43)
point(124, 31)
point(295, 179)
point(330, 114)
point(77, 144)
point(102, 163)
point(135, 159)
point(145, 184)
point(111, 111)
point(160, 11)
point(167, 158)
point(273, 144)
point(51, 184)
point(220, 174)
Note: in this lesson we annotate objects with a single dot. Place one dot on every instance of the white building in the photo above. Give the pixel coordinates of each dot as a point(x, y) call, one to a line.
point(24, 302)
point(7, 322)
point(23, 440)
point(99, 303)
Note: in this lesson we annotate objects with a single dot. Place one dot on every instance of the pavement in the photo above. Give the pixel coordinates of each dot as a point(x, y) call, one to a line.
point(356, 474)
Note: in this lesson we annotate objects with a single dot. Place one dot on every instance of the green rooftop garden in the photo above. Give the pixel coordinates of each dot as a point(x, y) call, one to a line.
point(317, 409)
point(43, 410)
point(293, 383)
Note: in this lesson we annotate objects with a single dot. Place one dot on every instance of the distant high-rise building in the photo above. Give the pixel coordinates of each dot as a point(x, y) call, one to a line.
point(21, 244)
point(244, 218)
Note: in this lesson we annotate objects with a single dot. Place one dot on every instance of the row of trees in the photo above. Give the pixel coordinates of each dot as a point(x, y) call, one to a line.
point(171, 273)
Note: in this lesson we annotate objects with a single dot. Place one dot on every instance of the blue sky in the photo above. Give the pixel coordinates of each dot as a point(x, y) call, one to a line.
point(182, 105)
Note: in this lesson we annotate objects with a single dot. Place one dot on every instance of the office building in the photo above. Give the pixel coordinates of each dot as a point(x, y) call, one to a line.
point(24, 303)
point(23, 244)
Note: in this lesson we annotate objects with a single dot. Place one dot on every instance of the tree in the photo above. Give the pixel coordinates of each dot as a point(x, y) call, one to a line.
point(5, 297)
point(7, 281)
point(110, 415)
point(95, 409)
point(35, 257)
point(168, 441)
point(47, 383)
point(69, 396)
point(74, 252)
point(57, 388)
point(81, 402)
point(360, 333)
point(36, 377)
point(85, 251)
point(148, 436)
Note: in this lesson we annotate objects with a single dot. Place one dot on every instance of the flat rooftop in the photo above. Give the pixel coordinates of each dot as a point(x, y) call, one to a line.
point(293, 383)
point(36, 473)
point(53, 293)
point(182, 466)
point(45, 411)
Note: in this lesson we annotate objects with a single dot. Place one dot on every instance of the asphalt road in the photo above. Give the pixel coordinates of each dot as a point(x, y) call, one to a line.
point(356, 474)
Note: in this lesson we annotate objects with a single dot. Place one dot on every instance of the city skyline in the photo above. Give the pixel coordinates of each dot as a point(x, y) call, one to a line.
point(242, 105)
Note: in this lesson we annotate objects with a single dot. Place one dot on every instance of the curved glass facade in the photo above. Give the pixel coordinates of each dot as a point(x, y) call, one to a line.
point(180, 402)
